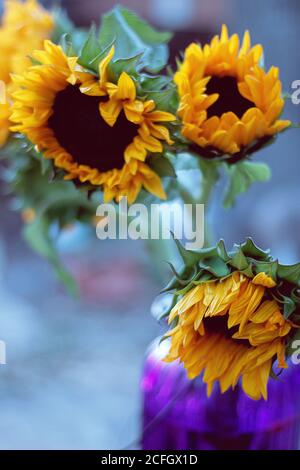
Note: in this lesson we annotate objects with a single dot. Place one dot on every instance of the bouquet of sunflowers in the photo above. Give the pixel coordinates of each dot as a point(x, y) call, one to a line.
point(99, 115)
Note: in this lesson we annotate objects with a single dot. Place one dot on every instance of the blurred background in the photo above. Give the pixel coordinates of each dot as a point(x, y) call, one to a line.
point(74, 365)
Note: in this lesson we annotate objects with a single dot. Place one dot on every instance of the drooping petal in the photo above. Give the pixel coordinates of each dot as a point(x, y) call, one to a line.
point(110, 111)
point(126, 88)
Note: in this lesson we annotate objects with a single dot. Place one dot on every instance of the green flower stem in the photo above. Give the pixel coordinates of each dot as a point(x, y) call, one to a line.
point(164, 250)
point(204, 198)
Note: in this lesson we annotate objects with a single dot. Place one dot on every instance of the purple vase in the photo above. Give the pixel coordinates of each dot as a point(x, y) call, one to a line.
point(177, 415)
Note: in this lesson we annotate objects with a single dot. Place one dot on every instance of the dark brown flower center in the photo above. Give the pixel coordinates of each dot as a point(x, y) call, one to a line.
point(82, 132)
point(218, 325)
point(230, 98)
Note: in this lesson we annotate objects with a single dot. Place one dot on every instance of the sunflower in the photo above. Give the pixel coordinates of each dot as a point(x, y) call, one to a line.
point(24, 27)
point(96, 131)
point(230, 329)
point(235, 316)
point(4, 119)
point(227, 100)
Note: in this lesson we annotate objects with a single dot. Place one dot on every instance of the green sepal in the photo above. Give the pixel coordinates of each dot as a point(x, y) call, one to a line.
point(215, 266)
point(214, 263)
point(239, 260)
point(165, 100)
point(90, 51)
point(128, 65)
point(270, 268)
point(296, 295)
point(222, 252)
point(189, 257)
point(185, 273)
point(249, 248)
point(248, 271)
point(151, 83)
point(63, 24)
point(66, 42)
point(203, 277)
point(180, 281)
point(290, 273)
point(289, 306)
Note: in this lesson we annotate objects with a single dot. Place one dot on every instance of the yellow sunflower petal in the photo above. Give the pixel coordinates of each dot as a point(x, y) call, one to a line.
point(152, 182)
point(103, 72)
point(126, 88)
point(224, 59)
point(110, 111)
point(262, 279)
point(160, 116)
point(255, 383)
point(134, 111)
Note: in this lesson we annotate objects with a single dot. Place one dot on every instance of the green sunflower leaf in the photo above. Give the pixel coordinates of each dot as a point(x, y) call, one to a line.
point(241, 176)
point(57, 202)
point(133, 36)
point(37, 236)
